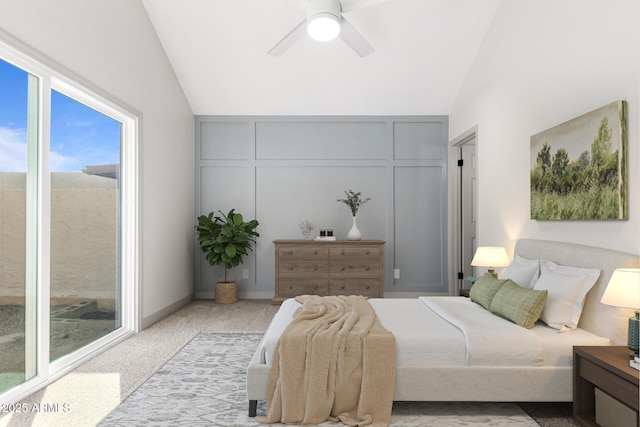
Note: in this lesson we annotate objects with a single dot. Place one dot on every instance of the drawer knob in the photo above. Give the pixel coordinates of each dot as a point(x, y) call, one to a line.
point(342, 287)
point(290, 267)
point(315, 286)
point(290, 251)
point(315, 252)
point(342, 252)
point(367, 252)
point(290, 286)
point(367, 268)
point(367, 287)
point(342, 268)
point(315, 267)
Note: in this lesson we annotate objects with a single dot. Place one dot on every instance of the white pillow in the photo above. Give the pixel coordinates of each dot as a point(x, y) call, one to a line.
point(524, 272)
point(567, 287)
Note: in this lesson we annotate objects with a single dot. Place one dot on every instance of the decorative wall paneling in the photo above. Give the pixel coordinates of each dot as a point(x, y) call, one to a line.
point(285, 169)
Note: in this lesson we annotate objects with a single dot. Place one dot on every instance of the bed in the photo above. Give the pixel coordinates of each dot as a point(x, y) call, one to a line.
point(536, 367)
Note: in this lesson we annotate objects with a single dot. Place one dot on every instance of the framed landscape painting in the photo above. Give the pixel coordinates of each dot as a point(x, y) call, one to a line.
point(579, 168)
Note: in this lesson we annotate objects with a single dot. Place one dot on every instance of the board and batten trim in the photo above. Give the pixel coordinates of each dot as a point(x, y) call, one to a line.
point(304, 163)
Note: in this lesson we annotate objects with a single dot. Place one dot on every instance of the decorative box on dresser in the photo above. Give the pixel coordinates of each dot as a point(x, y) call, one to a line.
point(341, 267)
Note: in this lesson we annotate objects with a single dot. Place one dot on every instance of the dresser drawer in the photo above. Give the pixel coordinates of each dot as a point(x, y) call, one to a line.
point(302, 268)
point(354, 268)
point(355, 252)
point(367, 288)
point(290, 288)
point(328, 268)
point(285, 252)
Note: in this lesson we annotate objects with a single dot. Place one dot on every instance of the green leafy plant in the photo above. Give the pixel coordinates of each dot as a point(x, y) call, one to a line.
point(354, 201)
point(226, 239)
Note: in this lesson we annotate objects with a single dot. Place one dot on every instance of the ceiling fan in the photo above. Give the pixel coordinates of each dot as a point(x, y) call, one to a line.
point(324, 21)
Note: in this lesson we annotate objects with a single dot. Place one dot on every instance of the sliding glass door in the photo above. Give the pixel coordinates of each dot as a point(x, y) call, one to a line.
point(18, 178)
point(85, 281)
point(68, 224)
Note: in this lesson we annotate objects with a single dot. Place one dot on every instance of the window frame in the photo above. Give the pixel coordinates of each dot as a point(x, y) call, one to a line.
point(51, 76)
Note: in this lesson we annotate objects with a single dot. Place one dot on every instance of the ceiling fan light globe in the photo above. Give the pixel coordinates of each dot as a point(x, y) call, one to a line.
point(323, 27)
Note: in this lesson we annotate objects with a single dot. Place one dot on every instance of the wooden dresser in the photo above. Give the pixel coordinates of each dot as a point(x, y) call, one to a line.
point(342, 267)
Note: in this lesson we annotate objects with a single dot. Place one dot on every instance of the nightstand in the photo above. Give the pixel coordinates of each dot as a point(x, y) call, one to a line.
point(465, 292)
point(603, 371)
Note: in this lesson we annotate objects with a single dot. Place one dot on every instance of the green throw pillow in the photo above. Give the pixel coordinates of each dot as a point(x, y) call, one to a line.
point(521, 306)
point(484, 289)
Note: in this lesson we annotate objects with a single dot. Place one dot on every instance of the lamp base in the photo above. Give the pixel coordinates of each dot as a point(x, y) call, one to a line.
point(633, 337)
point(492, 272)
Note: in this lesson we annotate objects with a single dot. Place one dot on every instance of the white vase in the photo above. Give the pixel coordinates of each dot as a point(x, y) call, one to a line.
point(354, 233)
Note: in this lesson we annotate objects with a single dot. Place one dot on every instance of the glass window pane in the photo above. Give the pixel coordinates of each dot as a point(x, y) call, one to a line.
point(18, 112)
point(85, 280)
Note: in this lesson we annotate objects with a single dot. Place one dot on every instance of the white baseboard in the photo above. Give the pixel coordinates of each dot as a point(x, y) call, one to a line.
point(158, 315)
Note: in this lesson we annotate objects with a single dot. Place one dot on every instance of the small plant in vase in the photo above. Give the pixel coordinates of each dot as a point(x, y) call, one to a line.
point(225, 240)
point(355, 202)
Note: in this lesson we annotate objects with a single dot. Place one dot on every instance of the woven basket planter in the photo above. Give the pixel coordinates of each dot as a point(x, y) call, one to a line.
point(226, 293)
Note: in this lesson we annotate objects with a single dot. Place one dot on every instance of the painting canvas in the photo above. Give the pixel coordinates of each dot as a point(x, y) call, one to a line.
point(578, 168)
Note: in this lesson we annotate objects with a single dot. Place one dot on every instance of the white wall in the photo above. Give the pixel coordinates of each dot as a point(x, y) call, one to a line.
point(113, 46)
point(542, 63)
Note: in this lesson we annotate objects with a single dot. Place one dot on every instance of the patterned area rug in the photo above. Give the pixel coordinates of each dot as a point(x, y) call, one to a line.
point(204, 385)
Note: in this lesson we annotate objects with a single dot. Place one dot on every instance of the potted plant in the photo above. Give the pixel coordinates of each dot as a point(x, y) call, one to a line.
point(225, 240)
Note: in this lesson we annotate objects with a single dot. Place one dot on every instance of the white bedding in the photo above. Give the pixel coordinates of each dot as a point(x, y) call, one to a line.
point(490, 340)
point(493, 341)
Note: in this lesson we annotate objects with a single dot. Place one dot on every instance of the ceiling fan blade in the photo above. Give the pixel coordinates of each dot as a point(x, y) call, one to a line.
point(353, 38)
point(290, 39)
point(349, 5)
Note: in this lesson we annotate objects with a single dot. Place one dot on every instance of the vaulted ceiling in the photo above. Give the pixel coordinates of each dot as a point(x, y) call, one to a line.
point(218, 50)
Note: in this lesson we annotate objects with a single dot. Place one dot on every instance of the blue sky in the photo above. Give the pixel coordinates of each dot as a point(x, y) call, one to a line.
point(80, 136)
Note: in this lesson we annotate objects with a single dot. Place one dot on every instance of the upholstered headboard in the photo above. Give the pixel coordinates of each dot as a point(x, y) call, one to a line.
point(601, 319)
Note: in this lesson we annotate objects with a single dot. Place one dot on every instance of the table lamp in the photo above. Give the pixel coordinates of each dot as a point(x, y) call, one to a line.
point(490, 256)
point(623, 290)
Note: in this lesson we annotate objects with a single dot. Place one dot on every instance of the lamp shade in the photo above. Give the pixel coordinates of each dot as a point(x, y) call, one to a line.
point(623, 289)
point(490, 256)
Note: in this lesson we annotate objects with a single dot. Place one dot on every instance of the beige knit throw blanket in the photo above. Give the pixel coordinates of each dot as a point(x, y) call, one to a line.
point(335, 361)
